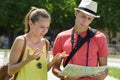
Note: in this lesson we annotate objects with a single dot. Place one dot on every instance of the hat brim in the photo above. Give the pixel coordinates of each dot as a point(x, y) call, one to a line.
point(87, 12)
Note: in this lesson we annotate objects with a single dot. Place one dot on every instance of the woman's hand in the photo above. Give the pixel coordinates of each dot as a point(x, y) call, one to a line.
point(36, 55)
point(59, 56)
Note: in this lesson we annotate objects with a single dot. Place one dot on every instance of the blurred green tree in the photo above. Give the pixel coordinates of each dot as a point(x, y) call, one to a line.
point(110, 13)
point(12, 15)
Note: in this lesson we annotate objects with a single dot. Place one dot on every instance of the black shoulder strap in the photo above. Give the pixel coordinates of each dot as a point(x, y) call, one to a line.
point(72, 38)
point(90, 34)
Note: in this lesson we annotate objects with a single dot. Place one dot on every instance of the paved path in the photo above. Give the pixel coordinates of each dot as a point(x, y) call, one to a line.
point(114, 62)
point(111, 62)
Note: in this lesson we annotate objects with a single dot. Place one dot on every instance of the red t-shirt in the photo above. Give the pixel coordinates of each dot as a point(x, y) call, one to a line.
point(97, 48)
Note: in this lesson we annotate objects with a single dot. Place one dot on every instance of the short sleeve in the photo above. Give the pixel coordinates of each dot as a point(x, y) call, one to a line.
point(103, 46)
point(57, 46)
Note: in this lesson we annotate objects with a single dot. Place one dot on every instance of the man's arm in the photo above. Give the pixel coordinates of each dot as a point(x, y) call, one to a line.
point(103, 62)
point(101, 75)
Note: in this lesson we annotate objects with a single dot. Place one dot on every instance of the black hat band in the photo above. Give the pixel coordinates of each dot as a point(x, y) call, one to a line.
point(85, 9)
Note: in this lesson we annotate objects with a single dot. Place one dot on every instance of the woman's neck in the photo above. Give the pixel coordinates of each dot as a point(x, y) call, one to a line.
point(33, 38)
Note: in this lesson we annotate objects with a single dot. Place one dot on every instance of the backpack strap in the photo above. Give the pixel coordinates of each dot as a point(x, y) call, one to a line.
point(47, 45)
point(46, 42)
point(21, 56)
point(90, 34)
point(23, 49)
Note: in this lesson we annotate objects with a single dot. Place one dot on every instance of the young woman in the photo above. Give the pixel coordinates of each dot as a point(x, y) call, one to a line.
point(34, 64)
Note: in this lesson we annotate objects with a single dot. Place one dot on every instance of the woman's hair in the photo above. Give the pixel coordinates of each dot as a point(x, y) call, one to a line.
point(34, 15)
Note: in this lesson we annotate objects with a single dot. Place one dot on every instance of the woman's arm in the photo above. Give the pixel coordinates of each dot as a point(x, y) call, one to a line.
point(15, 54)
point(57, 59)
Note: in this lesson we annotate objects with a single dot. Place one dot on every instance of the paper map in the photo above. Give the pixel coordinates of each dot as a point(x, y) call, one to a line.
point(81, 71)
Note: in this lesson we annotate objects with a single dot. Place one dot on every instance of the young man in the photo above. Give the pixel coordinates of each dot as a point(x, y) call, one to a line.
point(93, 53)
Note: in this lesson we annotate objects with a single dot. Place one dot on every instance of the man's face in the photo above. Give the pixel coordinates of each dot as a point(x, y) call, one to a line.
point(82, 20)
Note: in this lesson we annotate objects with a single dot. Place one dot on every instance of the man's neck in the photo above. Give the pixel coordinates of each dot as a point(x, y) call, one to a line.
point(79, 31)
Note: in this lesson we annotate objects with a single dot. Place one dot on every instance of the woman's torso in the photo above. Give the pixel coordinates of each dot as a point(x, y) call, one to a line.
point(30, 71)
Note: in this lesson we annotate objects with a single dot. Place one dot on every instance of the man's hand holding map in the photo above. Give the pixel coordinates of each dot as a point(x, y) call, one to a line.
point(81, 71)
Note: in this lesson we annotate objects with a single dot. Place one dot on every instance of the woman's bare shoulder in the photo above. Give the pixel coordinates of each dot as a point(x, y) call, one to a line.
point(18, 42)
point(19, 39)
point(45, 40)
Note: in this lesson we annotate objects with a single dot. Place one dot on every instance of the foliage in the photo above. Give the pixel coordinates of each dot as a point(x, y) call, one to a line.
point(62, 12)
point(12, 14)
point(109, 13)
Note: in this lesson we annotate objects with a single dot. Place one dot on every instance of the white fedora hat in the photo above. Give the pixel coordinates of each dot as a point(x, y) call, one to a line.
point(89, 7)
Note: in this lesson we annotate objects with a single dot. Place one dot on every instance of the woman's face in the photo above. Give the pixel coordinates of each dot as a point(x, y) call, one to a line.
point(40, 27)
point(82, 20)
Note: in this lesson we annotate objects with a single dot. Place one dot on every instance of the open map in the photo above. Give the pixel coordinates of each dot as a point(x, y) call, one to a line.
point(81, 71)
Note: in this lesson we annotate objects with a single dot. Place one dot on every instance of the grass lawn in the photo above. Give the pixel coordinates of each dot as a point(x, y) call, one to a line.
point(114, 72)
point(3, 50)
point(114, 56)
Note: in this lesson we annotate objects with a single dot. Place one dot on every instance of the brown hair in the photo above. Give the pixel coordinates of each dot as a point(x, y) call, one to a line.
point(34, 15)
